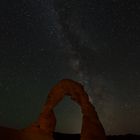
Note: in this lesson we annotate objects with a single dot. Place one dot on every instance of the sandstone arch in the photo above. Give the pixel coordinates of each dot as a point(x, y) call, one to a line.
point(91, 127)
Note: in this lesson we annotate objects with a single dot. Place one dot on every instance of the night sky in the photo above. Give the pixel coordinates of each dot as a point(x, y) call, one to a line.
point(95, 42)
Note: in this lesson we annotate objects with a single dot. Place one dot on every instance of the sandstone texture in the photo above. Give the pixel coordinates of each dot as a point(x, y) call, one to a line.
point(44, 127)
point(92, 128)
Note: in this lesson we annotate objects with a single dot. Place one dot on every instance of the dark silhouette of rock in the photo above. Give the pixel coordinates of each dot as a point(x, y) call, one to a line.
point(44, 127)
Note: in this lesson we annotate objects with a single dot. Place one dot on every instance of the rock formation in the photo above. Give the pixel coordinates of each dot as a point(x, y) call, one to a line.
point(44, 127)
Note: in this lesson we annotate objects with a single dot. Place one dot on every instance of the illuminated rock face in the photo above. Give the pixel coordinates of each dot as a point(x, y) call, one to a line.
point(45, 125)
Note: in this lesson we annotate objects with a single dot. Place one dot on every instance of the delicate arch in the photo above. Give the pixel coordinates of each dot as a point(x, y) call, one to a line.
point(91, 126)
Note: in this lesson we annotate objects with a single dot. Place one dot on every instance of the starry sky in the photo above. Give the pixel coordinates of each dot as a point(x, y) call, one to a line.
point(95, 42)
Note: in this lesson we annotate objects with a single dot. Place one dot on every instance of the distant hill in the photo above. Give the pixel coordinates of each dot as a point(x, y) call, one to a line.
point(124, 137)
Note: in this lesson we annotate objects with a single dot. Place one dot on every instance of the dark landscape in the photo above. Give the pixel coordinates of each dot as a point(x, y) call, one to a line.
point(9, 134)
point(61, 136)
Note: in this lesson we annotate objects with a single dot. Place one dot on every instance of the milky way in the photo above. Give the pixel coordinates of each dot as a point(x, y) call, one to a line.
point(102, 90)
point(93, 42)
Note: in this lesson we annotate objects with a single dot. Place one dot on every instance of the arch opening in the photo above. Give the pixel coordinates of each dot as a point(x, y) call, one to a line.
point(69, 117)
